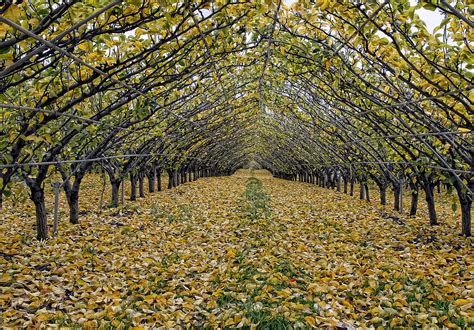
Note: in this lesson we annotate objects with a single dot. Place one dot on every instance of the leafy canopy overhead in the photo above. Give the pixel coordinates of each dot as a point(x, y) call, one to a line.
point(321, 83)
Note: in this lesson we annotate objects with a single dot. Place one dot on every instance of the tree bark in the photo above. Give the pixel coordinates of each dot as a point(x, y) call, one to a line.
point(170, 179)
point(158, 179)
point(466, 204)
point(37, 196)
point(115, 193)
point(73, 201)
point(72, 193)
point(141, 185)
point(396, 197)
point(133, 186)
point(151, 179)
point(414, 199)
point(367, 194)
point(175, 178)
point(383, 194)
point(429, 196)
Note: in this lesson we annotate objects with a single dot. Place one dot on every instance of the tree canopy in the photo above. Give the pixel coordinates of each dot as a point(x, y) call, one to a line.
point(352, 89)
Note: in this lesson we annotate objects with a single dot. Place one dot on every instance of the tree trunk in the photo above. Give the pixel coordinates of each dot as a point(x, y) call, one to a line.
point(352, 187)
point(73, 201)
point(366, 188)
point(170, 179)
point(151, 180)
point(345, 184)
point(383, 194)
point(133, 186)
point(37, 196)
point(72, 192)
point(466, 204)
point(158, 179)
point(175, 178)
point(429, 194)
point(362, 191)
point(141, 185)
point(396, 197)
point(414, 202)
point(115, 193)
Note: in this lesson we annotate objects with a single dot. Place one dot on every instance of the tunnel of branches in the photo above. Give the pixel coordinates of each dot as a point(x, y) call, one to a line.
point(325, 92)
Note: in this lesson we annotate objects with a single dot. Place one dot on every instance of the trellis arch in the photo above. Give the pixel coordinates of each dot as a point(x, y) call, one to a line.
point(321, 91)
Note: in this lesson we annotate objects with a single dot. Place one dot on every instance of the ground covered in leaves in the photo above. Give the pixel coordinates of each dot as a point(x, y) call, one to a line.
point(236, 252)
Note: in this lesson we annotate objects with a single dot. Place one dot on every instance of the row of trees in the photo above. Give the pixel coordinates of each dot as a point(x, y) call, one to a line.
point(332, 89)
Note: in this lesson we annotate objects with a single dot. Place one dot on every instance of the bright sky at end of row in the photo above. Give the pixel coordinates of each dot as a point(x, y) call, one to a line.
point(431, 18)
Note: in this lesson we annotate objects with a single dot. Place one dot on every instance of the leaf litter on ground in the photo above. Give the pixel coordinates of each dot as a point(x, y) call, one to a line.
point(240, 251)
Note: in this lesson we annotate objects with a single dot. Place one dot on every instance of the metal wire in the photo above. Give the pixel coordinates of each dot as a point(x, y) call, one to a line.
point(415, 164)
point(76, 161)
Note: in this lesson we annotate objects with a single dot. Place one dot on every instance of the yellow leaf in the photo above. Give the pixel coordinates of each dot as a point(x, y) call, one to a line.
point(395, 321)
point(229, 322)
point(5, 278)
point(376, 320)
point(230, 254)
point(461, 302)
point(397, 286)
point(310, 321)
point(12, 13)
point(149, 260)
point(3, 30)
point(422, 317)
point(83, 46)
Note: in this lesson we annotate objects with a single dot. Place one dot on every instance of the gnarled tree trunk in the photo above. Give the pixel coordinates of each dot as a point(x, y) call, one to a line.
point(37, 196)
point(428, 187)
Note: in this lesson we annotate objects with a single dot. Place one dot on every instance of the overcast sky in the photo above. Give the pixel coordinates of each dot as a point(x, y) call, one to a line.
point(431, 18)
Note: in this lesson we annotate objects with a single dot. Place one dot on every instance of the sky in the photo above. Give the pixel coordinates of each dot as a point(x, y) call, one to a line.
point(431, 18)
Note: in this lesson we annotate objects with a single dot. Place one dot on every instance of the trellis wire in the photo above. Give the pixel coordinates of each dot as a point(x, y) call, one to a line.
point(415, 164)
point(76, 161)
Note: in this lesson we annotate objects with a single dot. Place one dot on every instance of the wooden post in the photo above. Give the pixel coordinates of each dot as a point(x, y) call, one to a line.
point(56, 186)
